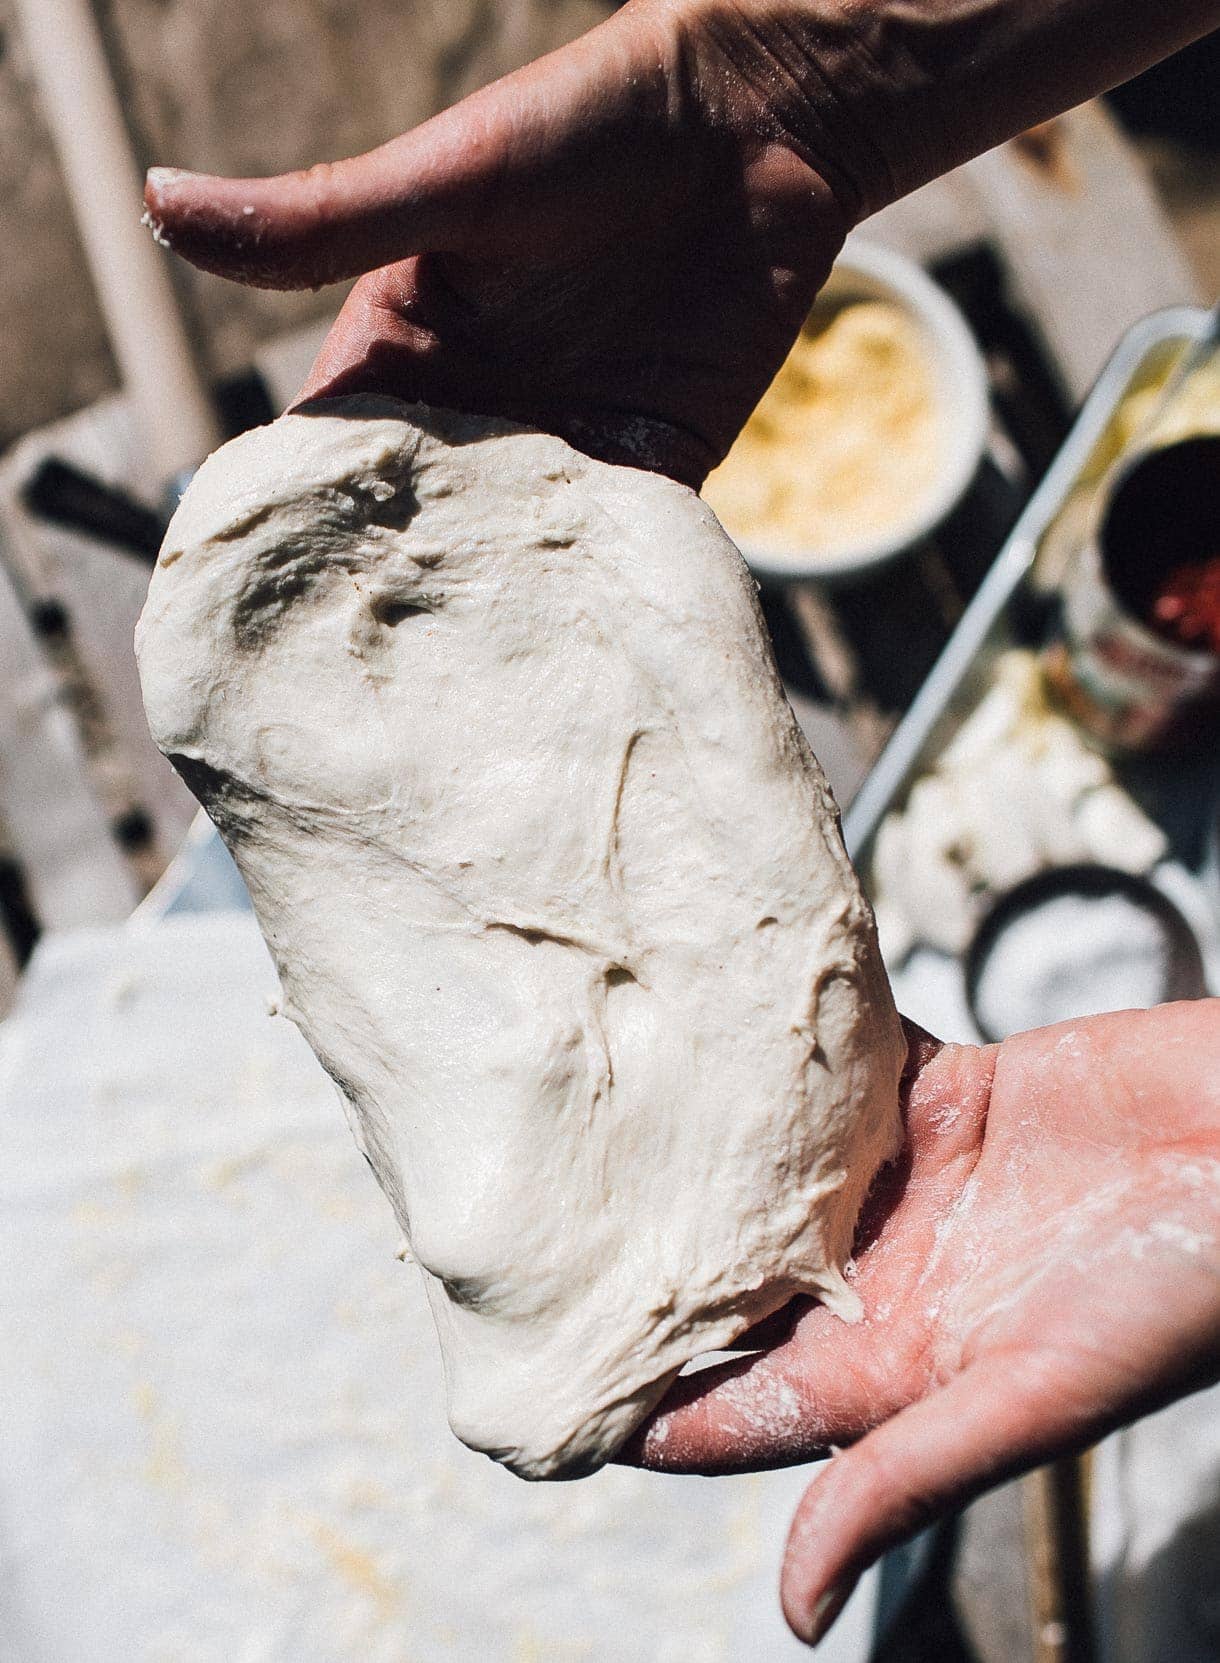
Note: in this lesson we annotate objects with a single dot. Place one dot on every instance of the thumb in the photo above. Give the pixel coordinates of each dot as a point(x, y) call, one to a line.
point(494, 175)
point(996, 1419)
point(338, 219)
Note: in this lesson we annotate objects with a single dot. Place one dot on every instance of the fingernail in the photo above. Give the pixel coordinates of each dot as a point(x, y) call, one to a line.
point(827, 1609)
point(165, 178)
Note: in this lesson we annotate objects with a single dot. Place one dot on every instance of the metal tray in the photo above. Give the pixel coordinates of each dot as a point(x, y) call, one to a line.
point(1179, 795)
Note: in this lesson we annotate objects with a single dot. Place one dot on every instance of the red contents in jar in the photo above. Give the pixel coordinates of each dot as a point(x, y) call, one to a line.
point(1185, 606)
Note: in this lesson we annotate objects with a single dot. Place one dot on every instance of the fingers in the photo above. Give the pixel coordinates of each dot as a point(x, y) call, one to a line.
point(998, 1418)
point(301, 230)
point(402, 331)
point(826, 1385)
point(736, 1417)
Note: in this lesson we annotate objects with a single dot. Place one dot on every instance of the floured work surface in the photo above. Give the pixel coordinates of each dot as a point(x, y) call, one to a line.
point(224, 1428)
point(555, 889)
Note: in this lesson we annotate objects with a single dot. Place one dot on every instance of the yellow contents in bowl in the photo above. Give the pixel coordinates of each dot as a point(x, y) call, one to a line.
point(845, 444)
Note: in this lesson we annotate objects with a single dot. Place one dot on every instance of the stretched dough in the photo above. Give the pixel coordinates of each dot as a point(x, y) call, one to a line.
point(555, 889)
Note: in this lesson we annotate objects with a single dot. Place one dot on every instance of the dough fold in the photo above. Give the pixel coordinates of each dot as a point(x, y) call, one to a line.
point(555, 889)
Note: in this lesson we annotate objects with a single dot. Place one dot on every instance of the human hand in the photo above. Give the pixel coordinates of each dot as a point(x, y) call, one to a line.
point(1042, 1265)
point(618, 243)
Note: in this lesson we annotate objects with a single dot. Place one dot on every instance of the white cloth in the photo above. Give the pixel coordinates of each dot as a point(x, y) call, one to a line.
point(1156, 1536)
point(223, 1436)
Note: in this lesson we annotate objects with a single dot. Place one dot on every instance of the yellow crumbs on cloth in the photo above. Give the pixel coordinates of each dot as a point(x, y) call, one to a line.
point(845, 443)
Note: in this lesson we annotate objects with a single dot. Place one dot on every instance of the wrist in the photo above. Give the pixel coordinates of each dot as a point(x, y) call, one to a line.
point(741, 71)
point(798, 73)
point(880, 96)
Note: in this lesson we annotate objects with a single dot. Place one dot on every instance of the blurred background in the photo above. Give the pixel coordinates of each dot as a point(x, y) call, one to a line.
point(225, 1437)
point(226, 88)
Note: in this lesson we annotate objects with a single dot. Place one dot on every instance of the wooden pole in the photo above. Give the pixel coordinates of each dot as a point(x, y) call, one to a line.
point(155, 359)
point(1057, 1543)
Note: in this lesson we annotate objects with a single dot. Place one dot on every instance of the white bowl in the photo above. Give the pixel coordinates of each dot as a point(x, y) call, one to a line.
point(866, 271)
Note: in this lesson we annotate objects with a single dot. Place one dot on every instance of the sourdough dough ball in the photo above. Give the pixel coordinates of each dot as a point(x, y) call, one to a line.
point(555, 889)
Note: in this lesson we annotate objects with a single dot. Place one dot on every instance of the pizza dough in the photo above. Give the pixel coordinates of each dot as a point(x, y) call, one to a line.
point(555, 889)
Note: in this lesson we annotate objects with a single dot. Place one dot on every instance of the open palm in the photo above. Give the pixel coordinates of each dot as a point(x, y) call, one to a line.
point(1042, 1265)
point(618, 243)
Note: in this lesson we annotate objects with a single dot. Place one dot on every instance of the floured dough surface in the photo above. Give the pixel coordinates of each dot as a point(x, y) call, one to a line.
point(555, 889)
